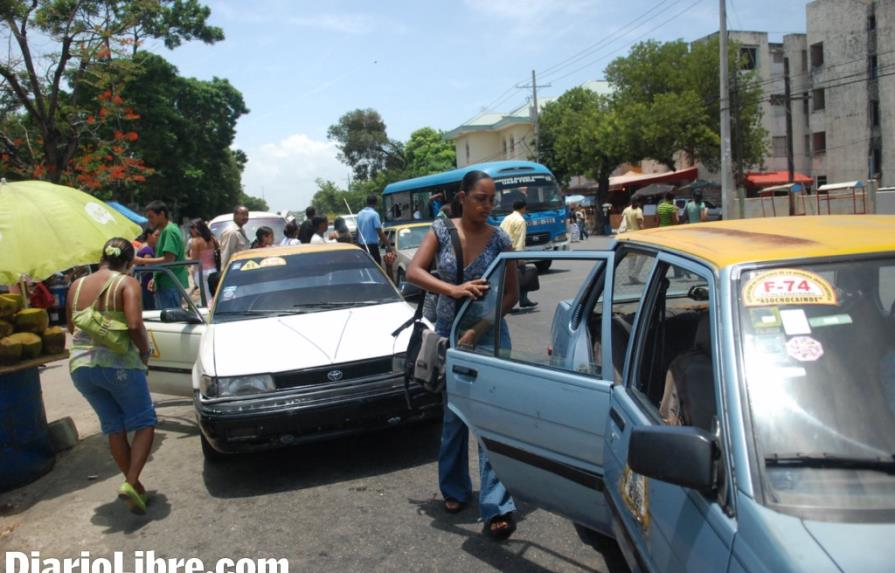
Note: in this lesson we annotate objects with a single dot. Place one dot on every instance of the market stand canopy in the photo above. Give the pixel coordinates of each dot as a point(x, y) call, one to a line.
point(47, 228)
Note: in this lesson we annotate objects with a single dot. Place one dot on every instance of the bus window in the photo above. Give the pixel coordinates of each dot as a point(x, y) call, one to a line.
point(397, 207)
point(540, 192)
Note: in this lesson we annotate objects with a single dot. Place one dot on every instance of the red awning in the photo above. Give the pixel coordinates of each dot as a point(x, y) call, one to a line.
point(770, 178)
point(631, 181)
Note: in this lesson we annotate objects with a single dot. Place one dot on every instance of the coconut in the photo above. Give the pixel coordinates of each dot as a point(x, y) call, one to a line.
point(9, 304)
point(34, 320)
point(31, 343)
point(10, 351)
point(54, 340)
point(6, 328)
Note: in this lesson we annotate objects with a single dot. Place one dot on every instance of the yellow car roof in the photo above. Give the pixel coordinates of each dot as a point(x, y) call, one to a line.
point(726, 243)
point(293, 250)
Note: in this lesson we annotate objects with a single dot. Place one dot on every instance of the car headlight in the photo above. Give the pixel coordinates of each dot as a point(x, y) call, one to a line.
point(562, 238)
point(236, 385)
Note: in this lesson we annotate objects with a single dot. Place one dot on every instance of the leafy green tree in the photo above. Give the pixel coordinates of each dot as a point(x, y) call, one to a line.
point(187, 127)
point(427, 151)
point(581, 134)
point(330, 198)
point(667, 95)
point(253, 203)
point(61, 48)
point(364, 144)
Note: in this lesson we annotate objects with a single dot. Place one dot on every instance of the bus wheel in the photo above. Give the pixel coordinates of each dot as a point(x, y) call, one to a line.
point(543, 266)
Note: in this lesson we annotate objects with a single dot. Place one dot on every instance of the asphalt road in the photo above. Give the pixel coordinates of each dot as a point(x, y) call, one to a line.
point(364, 503)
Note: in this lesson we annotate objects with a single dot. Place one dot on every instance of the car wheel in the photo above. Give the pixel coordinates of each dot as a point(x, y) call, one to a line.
point(208, 451)
point(543, 266)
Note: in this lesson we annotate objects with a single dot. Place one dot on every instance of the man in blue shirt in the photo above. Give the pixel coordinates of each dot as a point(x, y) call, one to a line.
point(369, 230)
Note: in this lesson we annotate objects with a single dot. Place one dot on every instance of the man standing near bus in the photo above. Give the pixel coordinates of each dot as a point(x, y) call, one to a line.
point(515, 226)
point(369, 230)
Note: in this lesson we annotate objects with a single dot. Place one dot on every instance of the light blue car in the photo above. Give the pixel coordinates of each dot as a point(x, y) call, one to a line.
point(715, 397)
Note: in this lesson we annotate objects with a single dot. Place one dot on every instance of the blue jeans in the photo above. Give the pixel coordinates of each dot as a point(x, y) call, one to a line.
point(119, 396)
point(453, 462)
point(167, 298)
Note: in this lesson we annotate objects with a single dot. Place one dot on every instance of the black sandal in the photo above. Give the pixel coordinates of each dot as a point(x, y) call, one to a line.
point(456, 509)
point(500, 533)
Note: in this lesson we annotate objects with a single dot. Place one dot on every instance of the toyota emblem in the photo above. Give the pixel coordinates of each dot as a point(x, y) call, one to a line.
point(334, 375)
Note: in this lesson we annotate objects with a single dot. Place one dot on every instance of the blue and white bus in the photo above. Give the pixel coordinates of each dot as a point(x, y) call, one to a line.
point(421, 198)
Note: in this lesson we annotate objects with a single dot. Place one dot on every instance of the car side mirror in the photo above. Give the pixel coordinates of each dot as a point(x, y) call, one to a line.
point(684, 456)
point(179, 315)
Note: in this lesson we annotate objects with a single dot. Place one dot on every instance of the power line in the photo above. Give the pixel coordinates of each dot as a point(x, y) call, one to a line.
point(647, 33)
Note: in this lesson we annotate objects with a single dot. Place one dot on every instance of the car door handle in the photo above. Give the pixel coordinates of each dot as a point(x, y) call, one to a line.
point(616, 417)
point(464, 371)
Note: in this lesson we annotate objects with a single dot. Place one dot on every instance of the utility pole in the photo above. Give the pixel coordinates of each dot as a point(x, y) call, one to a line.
point(534, 110)
point(787, 104)
point(728, 191)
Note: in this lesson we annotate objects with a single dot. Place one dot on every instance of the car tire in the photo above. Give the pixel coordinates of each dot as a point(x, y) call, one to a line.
point(543, 266)
point(208, 452)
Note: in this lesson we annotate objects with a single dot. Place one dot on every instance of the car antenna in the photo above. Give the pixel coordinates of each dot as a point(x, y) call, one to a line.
point(359, 234)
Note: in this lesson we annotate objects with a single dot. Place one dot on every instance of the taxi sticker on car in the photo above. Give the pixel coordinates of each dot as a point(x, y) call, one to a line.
point(804, 349)
point(272, 262)
point(788, 286)
point(765, 317)
point(635, 494)
point(250, 266)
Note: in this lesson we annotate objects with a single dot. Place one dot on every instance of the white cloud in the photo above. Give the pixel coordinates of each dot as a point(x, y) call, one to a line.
point(284, 172)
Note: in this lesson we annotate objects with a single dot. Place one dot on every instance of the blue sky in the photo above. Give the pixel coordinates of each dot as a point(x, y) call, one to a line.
point(300, 64)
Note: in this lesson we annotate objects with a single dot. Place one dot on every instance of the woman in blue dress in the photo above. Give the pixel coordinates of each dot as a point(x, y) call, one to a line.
point(481, 243)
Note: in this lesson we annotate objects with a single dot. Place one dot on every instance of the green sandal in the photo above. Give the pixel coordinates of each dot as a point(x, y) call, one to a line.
point(135, 502)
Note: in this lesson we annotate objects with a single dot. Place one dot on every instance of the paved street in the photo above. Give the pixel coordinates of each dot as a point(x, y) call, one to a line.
point(362, 503)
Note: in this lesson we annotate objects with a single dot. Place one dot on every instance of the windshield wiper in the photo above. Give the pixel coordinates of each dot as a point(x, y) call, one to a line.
point(341, 304)
point(827, 460)
point(257, 312)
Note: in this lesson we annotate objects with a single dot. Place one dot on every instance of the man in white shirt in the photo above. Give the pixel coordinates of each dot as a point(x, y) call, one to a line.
point(320, 224)
point(234, 239)
point(515, 226)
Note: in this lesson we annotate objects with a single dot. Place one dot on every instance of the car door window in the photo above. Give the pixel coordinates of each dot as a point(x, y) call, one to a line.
point(476, 327)
point(533, 331)
point(672, 371)
point(629, 281)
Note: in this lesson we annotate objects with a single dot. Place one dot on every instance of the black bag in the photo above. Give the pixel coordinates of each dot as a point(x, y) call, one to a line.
point(528, 278)
point(428, 370)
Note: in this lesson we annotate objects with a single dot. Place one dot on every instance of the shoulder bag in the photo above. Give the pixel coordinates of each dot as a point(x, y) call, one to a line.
point(104, 330)
point(426, 350)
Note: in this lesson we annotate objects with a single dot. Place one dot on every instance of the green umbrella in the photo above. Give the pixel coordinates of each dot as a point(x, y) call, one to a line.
point(47, 228)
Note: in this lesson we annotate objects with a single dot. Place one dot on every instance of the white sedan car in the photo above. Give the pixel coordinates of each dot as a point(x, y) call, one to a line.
point(298, 346)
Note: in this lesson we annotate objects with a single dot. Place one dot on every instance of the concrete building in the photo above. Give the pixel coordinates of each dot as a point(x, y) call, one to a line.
point(849, 51)
point(494, 136)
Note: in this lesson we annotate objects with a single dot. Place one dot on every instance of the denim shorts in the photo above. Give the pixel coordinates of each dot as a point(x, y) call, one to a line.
point(119, 396)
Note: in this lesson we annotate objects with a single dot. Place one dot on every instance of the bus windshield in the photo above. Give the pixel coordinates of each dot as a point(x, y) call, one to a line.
point(540, 192)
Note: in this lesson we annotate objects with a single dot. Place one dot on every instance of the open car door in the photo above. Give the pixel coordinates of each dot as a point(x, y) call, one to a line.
point(538, 400)
point(174, 336)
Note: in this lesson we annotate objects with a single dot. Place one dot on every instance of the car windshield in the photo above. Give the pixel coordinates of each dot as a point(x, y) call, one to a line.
point(411, 238)
point(301, 283)
point(251, 228)
point(819, 362)
point(540, 193)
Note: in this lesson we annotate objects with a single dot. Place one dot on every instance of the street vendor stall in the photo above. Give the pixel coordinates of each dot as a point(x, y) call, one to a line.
point(44, 228)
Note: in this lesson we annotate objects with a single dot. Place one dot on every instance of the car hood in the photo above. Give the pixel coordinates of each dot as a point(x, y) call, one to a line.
point(285, 343)
point(854, 546)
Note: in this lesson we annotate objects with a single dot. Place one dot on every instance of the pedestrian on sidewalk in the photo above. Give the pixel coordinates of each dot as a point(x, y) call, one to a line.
point(114, 383)
point(515, 226)
point(480, 244)
point(369, 230)
point(306, 230)
point(169, 249)
point(667, 211)
point(202, 246)
point(234, 239)
point(695, 209)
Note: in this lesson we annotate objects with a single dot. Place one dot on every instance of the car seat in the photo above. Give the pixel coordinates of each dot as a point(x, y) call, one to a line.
point(689, 395)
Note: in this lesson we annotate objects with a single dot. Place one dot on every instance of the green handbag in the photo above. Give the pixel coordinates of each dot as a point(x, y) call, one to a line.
point(105, 330)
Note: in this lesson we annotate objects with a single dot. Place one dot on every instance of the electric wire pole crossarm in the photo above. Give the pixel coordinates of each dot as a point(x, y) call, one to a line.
point(534, 110)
